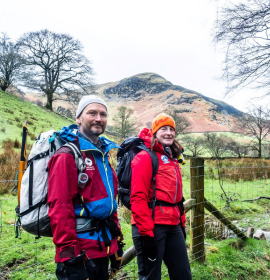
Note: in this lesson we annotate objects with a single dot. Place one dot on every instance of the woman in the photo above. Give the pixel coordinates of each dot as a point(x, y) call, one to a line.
point(161, 238)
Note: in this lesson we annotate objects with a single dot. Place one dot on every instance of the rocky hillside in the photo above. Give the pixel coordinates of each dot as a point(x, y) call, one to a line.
point(149, 94)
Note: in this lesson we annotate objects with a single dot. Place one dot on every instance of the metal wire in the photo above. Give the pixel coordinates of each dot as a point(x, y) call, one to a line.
point(216, 231)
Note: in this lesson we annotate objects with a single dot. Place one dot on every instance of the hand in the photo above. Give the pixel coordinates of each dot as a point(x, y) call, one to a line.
point(75, 269)
point(116, 260)
point(149, 247)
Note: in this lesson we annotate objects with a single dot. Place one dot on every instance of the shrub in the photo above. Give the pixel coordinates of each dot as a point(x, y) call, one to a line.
point(9, 164)
point(125, 214)
point(17, 120)
point(9, 111)
point(17, 144)
point(3, 129)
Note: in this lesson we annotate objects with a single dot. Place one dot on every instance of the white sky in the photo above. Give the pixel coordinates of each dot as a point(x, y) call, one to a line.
point(125, 37)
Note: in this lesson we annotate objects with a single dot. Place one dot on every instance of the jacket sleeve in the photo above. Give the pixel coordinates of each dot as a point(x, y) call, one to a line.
point(62, 189)
point(140, 185)
point(183, 215)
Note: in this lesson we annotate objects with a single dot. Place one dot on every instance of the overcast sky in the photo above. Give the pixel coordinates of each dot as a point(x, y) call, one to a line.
point(125, 37)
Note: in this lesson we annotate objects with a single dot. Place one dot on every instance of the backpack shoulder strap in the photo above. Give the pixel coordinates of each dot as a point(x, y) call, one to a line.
point(77, 156)
point(155, 163)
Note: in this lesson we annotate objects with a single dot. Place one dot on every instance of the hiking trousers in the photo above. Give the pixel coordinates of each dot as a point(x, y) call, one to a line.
point(171, 249)
point(99, 272)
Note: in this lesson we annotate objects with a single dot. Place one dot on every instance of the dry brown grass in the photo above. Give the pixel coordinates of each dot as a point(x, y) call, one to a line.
point(9, 165)
point(113, 158)
point(245, 169)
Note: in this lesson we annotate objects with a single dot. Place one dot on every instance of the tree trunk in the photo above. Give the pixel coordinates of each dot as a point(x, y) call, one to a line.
point(260, 149)
point(49, 101)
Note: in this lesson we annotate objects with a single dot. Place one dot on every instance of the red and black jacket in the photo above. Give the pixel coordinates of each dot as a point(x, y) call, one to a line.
point(168, 188)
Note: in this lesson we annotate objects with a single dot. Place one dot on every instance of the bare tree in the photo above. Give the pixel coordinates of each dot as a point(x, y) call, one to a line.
point(125, 125)
point(56, 66)
point(10, 62)
point(195, 145)
point(256, 124)
point(181, 122)
point(216, 144)
point(241, 150)
point(243, 29)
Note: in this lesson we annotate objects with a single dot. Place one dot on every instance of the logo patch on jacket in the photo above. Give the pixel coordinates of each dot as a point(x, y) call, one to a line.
point(165, 159)
point(88, 161)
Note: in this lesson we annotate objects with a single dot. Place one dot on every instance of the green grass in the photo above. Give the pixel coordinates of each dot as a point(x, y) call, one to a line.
point(15, 111)
point(230, 260)
point(233, 259)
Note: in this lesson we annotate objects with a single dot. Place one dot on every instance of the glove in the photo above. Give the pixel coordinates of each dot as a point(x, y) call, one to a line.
point(74, 268)
point(116, 260)
point(149, 247)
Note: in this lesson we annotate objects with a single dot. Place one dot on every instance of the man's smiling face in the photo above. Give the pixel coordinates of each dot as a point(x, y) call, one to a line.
point(93, 119)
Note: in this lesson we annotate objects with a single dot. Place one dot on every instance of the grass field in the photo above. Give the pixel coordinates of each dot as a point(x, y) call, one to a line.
point(226, 259)
point(28, 258)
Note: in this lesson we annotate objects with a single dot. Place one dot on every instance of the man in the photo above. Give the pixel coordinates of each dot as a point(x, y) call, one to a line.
point(72, 203)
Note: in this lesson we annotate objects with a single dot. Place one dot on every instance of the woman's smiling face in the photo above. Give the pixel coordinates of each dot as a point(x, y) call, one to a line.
point(166, 135)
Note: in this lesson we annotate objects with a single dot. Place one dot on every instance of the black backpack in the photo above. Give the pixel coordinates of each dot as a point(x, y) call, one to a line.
point(129, 148)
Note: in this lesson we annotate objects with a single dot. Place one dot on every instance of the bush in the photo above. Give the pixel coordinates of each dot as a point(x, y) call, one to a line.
point(17, 144)
point(17, 120)
point(9, 111)
point(9, 165)
point(3, 130)
point(125, 214)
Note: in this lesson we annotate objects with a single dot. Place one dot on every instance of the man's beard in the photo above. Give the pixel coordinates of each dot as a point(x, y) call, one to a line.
point(89, 131)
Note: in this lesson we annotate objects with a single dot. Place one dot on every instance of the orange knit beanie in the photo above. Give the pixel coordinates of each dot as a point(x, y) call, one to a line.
point(162, 120)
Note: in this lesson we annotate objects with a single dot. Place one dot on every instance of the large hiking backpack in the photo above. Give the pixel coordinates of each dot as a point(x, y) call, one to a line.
point(33, 208)
point(129, 148)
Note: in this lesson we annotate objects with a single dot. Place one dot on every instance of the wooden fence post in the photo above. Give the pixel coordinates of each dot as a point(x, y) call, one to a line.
point(197, 212)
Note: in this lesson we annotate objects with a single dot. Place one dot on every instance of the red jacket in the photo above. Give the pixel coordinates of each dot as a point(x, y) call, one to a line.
point(98, 195)
point(168, 188)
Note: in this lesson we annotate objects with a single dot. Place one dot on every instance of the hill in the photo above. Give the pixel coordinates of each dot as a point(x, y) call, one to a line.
point(14, 111)
point(148, 94)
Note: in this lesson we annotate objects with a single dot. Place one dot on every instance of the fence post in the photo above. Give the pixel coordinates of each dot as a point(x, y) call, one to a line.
point(197, 212)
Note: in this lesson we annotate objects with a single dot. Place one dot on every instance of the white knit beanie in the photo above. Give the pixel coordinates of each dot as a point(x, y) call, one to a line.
point(88, 99)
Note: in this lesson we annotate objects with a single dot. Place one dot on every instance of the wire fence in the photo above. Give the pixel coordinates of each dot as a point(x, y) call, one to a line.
point(221, 203)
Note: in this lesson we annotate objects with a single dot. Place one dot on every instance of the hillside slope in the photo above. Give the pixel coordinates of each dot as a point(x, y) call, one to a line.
point(14, 111)
point(149, 94)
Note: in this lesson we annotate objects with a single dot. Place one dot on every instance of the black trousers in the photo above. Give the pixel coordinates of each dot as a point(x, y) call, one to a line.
point(99, 272)
point(171, 249)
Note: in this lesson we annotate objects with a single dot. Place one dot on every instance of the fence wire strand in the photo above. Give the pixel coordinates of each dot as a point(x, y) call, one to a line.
point(222, 191)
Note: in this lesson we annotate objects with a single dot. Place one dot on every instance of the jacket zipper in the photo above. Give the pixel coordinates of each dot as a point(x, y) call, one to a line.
point(105, 167)
point(176, 185)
